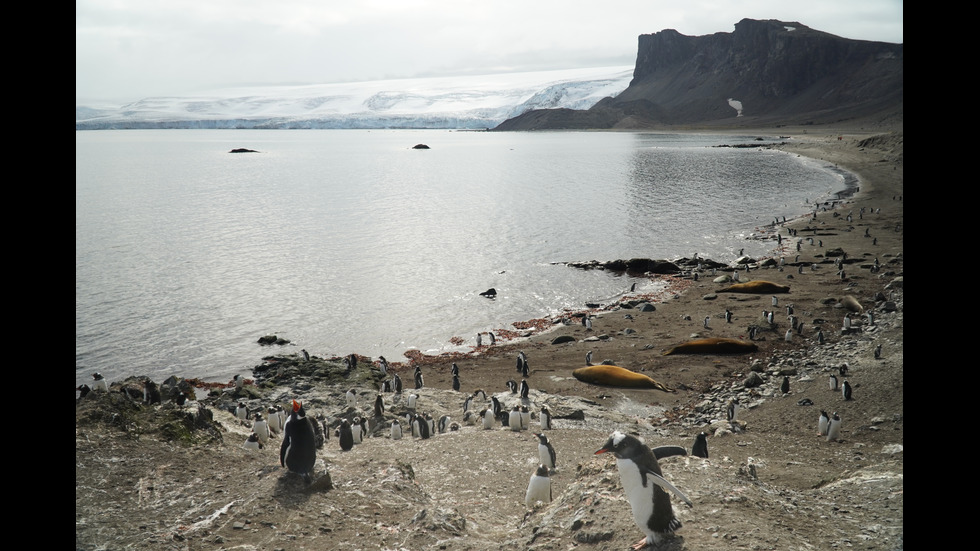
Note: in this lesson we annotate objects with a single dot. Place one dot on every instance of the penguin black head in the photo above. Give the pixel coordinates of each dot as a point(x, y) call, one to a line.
point(298, 409)
point(541, 437)
point(624, 446)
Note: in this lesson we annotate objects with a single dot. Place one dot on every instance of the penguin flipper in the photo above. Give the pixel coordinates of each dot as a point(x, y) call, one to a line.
point(282, 450)
point(662, 482)
point(661, 452)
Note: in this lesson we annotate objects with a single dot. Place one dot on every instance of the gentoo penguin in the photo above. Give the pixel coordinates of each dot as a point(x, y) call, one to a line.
point(99, 382)
point(383, 364)
point(239, 382)
point(732, 410)
point(83, 390)
point(456, 383)
point(419, 383)
point(784, 387)
point(396, 430)
point(260, 428)
point(878, 352)
point(588, 358)
point(151, 392)
point(479, 340)
point(281, 413)
point(443, 425)
point(298, 450)
point(493, 338)
point(833, 428)
point(520, 362)
point(386, 386)
point(588, 323)
point(425, 427)
point(379, 406)
point(252, 442)
point(823, 423)
point(525, 370)
point(397, 384)
point(480, 394)
point(414, 422)
point(241, 411)
point(351, 396)
point(775, 300)
point(643, 483)
point(525, 389)
point(496, 406)
point(545, 418)
point(700, 448)
point(525, 418)
point(346, 435)
point(845, 390)
point(546, 452)
point(467, 403)
point(488, 418)
point(412, 400)
point(706, 320)
point(357, 430)
point(788, 337)
point(306, 355)
point(514, 421)
point(512, 386)
point(539, 487)
point(454, 370)
point(728, 316)
point(819, 336)
point(843, 369)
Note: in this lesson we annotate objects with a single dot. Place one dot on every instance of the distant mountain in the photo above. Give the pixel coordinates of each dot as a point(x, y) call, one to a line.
point(471, 102)
point(765, 72)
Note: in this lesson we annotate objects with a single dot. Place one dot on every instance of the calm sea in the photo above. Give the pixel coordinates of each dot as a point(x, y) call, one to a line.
point(348, 241)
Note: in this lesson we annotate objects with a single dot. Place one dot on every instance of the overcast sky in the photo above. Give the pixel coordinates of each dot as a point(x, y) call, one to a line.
point(132, 49)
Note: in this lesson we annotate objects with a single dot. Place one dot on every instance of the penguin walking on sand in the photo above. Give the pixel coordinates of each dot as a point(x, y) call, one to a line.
point(346, 435)
point(538, 488)
point(644, 485)
point(298, 450)
point(833, 428)
point(706, 320)
point(700, 448)
point(823, 423)
point(545, 418)
point(832, 381)
point(546, 452)
point(845, 390)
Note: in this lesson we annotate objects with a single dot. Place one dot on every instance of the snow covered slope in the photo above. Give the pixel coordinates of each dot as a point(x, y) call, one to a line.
point(470, 102)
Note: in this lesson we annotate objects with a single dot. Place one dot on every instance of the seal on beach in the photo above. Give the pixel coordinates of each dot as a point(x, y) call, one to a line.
point(714, 345)
point(539, 487)
point(852, 304)
point(612, 375)
point(644, 484)
point(757, 286)
point(298, 450)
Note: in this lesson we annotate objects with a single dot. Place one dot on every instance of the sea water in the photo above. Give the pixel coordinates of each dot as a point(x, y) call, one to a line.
point(351, 241)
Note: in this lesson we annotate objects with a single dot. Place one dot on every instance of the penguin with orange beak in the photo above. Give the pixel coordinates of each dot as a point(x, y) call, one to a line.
point(298, 450)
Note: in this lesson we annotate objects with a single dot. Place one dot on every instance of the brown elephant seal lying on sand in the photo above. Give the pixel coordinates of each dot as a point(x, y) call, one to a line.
point(714, 345)
point(613, 375)
point(757, 286)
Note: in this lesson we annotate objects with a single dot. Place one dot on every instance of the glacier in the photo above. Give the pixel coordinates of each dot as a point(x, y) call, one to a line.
point(465, 102)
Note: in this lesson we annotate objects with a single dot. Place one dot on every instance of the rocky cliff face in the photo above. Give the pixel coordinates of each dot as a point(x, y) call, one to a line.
point(778, 72)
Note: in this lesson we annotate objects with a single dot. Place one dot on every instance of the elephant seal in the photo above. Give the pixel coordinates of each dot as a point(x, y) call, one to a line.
point(852, 304)
point(757, 286)
point(613, 375)
point(714, 345)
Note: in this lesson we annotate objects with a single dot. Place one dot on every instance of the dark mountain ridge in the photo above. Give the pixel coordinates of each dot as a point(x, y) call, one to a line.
point(781, 72)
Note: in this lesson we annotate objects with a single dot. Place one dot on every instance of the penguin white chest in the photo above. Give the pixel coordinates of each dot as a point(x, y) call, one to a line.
point(639, 496)
point(538, 489)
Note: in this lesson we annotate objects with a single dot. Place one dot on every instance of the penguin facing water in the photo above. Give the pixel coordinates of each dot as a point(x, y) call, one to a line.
point(298, 450)
point(644, 485)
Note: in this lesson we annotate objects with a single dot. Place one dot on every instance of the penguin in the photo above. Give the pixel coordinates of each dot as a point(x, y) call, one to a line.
point(412, 400)
point(732, 410)
point(820, 336)
point(480, 394)
point(239, 382)
point(823, 423)
point(281, 413)
point(386, 386)
point(588, 323)
point(252, 442)
point(443, 424)
point(241, 411)
point(467, 403)
point(845, 389)
point(496, 406)
point(83, 390)
point(261, 429)
point(833, 428)
point(346, 435)
point(272, 417)
point(512, 386)
point(775, 300)
point(379, 406)
point(643, 483)
point(520, 361)
point(788, 337)
point(415, 422)
point(306, 355)
point(397, 384)
point(588, 358)
point(525, 389)
point(525, 418)
point(525, 370)
point(357, 430)
point(706, 320)
point(298, 451)
point(351, 398)
point(425, 429)
point(455, 370)
point(545, 418)
point(700, 448)
point(99, 382)
point(514, 420)
point(383, 364)
point(493, 338)
point(419, 383)
point(364, 428)
point(479, 340)
point(728, 316)
point(843, 369)
point(784, 388)
point(488, 418)
point(546, 452)
point(151, 392)
point(456, 383)
point(396, 430)
point(833, 382)
point(538, 488)
point(878, 352)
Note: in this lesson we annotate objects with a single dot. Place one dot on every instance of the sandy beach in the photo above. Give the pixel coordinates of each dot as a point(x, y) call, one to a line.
point(770, 482)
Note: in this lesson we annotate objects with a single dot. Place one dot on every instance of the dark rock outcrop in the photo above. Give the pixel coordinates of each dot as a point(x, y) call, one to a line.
point(781, 72)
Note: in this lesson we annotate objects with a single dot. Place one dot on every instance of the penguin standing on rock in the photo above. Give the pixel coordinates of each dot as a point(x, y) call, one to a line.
point(538, 488)
point(351, 398)
point(99, 382)
point(241, 411)
point(298, 450)
point(732, 410)
point(644, 486)
point(525, 389)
